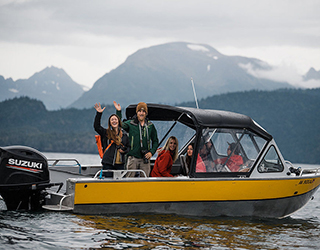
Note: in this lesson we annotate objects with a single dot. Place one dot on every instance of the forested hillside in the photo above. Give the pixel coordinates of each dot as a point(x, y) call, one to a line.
point(292, 116)
point(25, 121)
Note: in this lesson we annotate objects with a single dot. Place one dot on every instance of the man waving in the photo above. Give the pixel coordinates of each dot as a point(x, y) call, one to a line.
point(143, 139)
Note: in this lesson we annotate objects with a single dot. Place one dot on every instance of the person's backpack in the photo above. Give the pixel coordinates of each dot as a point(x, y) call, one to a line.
point(99, 145)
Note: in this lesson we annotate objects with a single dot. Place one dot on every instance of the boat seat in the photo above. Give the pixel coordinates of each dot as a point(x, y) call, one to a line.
point(178, 167)
point(183, 162)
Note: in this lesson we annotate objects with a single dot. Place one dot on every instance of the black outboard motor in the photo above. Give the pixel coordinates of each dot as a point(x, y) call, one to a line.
point(24, 176)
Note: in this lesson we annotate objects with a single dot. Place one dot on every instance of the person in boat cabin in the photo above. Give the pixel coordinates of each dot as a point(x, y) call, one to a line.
point(115, 141)
point(143, 139)
point(189, 157)
point(167, 155)
point(234, 159)
point(204, 159)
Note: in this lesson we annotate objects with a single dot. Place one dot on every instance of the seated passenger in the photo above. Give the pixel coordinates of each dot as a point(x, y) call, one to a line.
point(188, 157)
point(234, 159)
point(167, 155)
point(204, 159)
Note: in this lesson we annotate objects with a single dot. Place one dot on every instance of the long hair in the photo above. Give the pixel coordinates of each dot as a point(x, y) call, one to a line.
point(111, 134)
point(166, 147)
point(188, 158)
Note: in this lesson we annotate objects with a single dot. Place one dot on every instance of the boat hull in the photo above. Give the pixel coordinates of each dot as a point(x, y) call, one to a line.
point(258, 198)
point(278, 208)
point(60, 174)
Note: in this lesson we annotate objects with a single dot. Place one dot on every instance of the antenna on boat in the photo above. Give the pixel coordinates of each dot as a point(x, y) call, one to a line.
point(194, 93)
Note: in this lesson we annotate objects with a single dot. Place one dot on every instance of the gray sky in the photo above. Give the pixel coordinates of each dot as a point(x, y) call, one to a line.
point(89, 38)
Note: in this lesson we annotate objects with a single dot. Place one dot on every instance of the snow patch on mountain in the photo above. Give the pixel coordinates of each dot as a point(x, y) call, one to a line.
point(14, 90)
point(197, 47)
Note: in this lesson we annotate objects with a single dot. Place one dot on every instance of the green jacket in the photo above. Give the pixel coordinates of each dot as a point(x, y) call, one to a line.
point(132, 127)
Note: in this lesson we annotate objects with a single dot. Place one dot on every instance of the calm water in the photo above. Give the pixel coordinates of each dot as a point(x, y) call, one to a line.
point(51, 230)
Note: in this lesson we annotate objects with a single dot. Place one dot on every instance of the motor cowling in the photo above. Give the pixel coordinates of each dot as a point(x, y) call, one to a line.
point(24, 176)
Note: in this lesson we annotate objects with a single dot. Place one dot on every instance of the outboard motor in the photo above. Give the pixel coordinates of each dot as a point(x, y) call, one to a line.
point(24, 176)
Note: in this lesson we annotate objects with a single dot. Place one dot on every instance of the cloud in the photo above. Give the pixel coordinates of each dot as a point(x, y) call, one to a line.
point(311, 84)
point(267, 23)
point(89, 38)
point(283, 73)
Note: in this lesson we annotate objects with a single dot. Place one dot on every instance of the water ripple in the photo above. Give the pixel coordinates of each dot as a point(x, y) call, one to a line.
point(50, 230)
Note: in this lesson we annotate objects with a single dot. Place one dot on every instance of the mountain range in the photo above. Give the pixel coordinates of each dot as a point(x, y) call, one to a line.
point(160, 74)
point(312, 74)
point(53, 86)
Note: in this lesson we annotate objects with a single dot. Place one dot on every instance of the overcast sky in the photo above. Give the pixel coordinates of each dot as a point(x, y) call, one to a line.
point(89, 38)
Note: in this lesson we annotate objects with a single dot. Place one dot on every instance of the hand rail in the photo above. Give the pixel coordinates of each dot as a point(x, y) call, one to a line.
point(118, 174)
point(56, 161)
point(288, 162)
point(310, 171)
point(301, 171)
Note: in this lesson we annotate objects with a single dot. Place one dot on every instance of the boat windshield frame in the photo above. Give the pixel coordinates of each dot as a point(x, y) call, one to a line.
point(196, 118)
point(212, 157)
point(200, 120)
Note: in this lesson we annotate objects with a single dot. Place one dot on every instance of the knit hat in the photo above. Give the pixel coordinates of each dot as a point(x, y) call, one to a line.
point(142, 106)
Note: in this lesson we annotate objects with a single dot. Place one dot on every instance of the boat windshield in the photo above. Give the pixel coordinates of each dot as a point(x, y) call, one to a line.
point(180, 131)
point(228, 150)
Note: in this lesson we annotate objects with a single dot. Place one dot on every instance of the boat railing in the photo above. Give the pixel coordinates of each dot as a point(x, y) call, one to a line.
point(59, 206)
point(118, 174)
point(302, 171)
point(315, 171)
point(56, 161)
point(289, 163)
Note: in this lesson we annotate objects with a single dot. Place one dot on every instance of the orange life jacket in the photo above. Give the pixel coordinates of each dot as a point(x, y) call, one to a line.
point(99, 145)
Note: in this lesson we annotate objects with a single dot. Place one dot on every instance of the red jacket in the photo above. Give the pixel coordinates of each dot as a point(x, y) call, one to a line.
point(233, 163)
point(163, 165)
point(200, 166)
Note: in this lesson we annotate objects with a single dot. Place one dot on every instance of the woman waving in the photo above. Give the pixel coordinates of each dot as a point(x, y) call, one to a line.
point(115, 141)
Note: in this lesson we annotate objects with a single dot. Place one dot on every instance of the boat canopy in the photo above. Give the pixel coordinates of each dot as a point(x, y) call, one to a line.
point(196, 118)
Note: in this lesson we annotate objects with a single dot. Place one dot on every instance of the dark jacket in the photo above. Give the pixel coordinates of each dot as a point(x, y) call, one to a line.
point(109, 156)
point(132, 127)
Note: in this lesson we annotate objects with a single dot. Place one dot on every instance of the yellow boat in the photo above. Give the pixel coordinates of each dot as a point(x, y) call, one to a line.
point(263, 185)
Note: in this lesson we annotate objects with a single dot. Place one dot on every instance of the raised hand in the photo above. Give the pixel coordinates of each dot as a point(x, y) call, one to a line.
point(97, 106)
point(117, 105)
